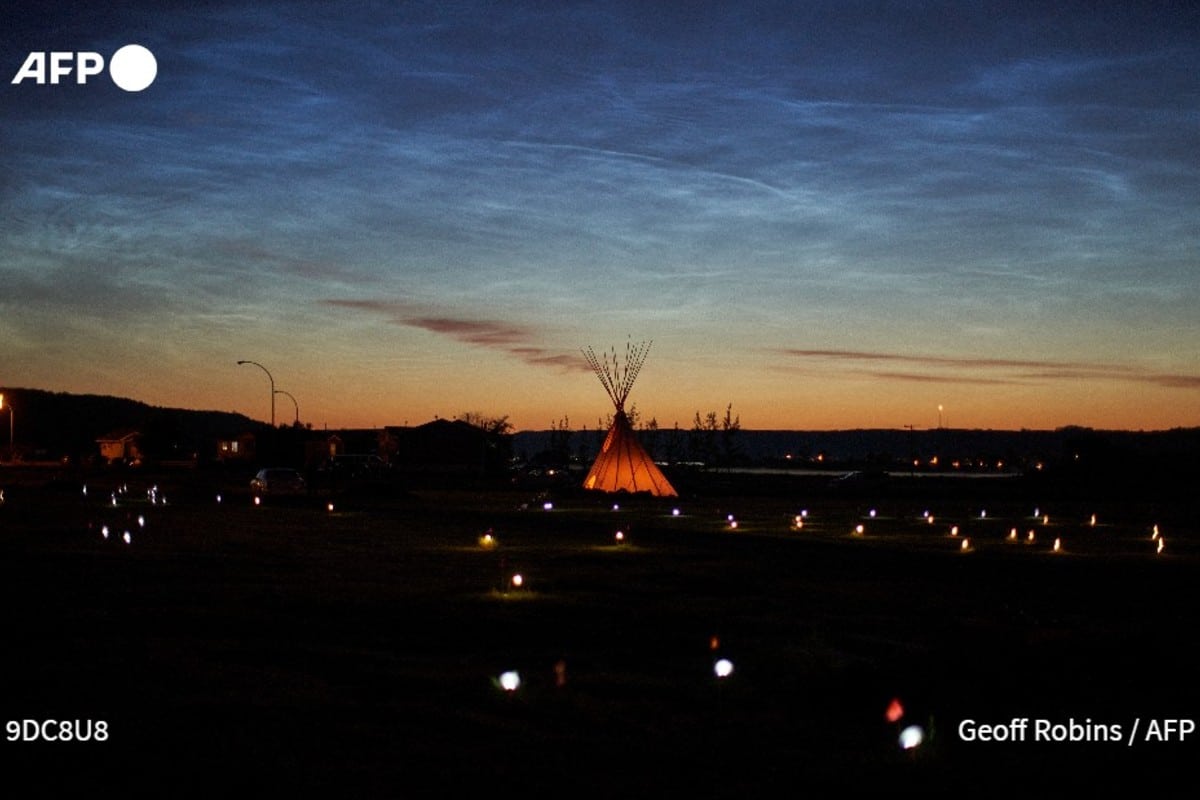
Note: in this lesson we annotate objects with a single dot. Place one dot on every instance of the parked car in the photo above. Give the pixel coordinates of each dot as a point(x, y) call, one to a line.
point(278, 480)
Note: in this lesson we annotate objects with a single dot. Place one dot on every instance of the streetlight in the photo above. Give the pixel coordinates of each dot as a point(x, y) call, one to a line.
point(12, 415)
point(294, 403)
point(264, 369)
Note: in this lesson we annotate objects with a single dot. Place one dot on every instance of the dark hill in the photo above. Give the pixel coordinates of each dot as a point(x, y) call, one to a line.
point(52, 425)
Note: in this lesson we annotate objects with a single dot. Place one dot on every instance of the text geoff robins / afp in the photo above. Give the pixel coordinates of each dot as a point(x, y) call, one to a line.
point(1027, 729)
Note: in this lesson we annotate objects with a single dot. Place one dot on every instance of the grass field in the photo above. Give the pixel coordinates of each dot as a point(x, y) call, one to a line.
point(358, 651)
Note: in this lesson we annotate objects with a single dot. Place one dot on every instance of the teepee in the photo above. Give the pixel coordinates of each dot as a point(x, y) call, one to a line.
point(623, 464)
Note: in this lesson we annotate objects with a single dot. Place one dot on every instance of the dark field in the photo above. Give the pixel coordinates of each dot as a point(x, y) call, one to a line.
point(357, 652)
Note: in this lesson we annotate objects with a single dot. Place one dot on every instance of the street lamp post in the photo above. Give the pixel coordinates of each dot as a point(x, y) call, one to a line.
point(294, 403)
point(12, 415)
point(272, 380)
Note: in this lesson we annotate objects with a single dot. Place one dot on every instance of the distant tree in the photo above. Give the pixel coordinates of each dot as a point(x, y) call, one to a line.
point(713, 441)
point(560, 439)
point(650, 437)
point(730, 444)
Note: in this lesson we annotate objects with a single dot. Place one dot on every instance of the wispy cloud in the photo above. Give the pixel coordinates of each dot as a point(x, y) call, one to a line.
point(947, 369)
point(515, 339)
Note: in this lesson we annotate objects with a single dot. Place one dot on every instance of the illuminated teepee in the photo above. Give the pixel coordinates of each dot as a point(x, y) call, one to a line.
point(623, 464)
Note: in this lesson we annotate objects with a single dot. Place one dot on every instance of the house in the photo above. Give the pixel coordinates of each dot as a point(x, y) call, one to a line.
point(237, 448)
point(121, 446)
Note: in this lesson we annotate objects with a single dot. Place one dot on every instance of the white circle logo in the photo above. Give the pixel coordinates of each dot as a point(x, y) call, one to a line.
point(133, 68)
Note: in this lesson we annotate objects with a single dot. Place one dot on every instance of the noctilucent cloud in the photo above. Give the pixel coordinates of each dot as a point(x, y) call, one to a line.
point(830, 215)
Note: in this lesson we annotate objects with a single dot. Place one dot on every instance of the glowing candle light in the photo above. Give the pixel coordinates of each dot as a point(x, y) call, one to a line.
point(858, 530)
point(1162, 544)
point(733, 525)
point(1029, 538)
point(954, 530)
point(518, 581)
point(329, 507)
point(1154, 535)
point(723, 668)
point(1092, 521)
point(620, 537)
point(930, 519)
point(487, 541)
point(1037, 512)
point(1045, 519)
point(714, 643)
point(510, 681)
point(966, 545)
point(894, 710)
point(1057, 545)
point(257, 500)
point(1012, 535)
point(911, 737)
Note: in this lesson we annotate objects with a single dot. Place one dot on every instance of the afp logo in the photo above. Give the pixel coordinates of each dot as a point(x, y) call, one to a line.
point(131, 68)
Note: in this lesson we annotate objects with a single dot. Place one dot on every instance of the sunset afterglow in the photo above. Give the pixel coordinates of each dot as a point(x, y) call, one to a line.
point(828, 215)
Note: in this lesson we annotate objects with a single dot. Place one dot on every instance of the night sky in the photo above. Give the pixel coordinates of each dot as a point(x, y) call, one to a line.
point(830, 215)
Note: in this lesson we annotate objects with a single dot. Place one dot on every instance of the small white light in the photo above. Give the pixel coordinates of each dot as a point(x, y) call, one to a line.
point(127, 537)
point(218, 499)
point(729, 518)
point(616, 507)
point(858, 529)
point(620, 537)
point(1058, 545)
point(329, 507)
point(517, 581)
point(911, 737)
point(723, 668)
point(104, 531)
point(954, 530)
point(674, 512)
point(510, 681)
point(141, 521)
point(983, 514)
point(257, 501)
point(547, 506)
point(733, 525)
point(872, 514)
point(804, 513)
point(85, 490)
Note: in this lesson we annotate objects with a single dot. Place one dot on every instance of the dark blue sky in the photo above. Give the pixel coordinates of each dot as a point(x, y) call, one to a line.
point(828, 214)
